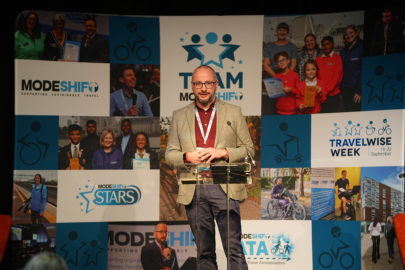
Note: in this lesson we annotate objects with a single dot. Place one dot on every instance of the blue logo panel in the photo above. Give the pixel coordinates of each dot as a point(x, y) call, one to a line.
point(336, 245)
point(134, 40)
point(36, 144)
point(286, 141)
point(383, 83)
point(83, 245)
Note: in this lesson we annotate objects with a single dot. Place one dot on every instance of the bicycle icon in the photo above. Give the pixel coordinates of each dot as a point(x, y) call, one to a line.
point(30, 152)
point(131, 47)
point(385, 129)
point(282, 248)
point(345, 259)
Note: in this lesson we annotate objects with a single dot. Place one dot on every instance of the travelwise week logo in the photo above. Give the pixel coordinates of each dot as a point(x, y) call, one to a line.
point(98, 195)
point(218, 51)
point(264, 248)
point(350, 138)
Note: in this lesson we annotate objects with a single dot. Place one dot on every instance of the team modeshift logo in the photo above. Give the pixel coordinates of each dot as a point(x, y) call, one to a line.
point(93, 195)
point(218, 51)
point(213, 52)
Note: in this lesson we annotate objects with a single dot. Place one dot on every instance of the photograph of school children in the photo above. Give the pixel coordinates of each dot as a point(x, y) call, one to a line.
point(312, 63)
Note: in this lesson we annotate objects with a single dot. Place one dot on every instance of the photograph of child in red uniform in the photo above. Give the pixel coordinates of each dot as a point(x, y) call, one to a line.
point(286, 105)
point(311, 80)
point(331, 73)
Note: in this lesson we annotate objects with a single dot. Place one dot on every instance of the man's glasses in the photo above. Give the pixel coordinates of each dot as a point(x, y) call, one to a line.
point(208, 84)
point(166, 232)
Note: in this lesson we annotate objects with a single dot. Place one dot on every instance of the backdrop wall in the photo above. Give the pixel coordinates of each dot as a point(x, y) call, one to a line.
point(69, 90)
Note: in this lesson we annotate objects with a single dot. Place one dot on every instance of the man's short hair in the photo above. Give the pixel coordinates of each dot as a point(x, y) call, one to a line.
point(125, 120)
point(91, 122)
point(160, 223)
point(74, 127)
point(91, 18)
point(344, 171)
point(279, 54)
point(328, 38)
point(125, 67)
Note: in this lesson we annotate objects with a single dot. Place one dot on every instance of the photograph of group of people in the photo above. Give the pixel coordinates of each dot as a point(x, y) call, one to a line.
point(45, 36)
point(317, 60)
point(103, 143)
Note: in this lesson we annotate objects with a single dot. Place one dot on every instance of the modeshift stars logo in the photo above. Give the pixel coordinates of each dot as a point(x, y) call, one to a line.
point(210, 48)
point(93, 195)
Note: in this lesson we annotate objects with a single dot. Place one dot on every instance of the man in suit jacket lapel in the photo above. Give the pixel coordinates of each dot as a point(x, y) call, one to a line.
point(224, 137)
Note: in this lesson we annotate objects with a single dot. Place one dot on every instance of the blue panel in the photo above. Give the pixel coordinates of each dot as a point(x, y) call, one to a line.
point(286, 141)
point(36, 143)
point(336, 245)
point(83, 245)
point(134, 40)
point(383, 82)
point(323, 202)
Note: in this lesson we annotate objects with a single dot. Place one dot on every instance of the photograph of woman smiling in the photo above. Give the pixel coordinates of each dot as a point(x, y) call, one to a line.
point(108, 157)
point(143, 152)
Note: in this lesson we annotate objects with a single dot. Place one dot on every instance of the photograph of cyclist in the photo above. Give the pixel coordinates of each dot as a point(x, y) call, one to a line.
point(342, 185)
point(278, 193)
point(347, 193)
point(287, 194)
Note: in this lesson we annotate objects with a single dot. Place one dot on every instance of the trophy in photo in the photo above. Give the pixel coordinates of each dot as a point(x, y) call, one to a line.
point(309, 96)
point(74, 164)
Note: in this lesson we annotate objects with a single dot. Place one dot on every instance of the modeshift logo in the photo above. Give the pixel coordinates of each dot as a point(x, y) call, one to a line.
point(59, 86)
point(93, 195)
point(210, 48)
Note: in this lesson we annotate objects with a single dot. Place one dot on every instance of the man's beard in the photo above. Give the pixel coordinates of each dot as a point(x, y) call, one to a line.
point(205, 102)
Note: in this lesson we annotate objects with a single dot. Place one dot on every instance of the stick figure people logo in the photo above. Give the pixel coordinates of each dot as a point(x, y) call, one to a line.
point(198, 49)
point(377, 85)
point(74, 249)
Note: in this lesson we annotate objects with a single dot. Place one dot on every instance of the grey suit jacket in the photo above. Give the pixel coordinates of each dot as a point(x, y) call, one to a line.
point(182, 139)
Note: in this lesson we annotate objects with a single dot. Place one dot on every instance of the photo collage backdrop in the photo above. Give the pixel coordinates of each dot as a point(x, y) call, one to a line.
point(101, 199)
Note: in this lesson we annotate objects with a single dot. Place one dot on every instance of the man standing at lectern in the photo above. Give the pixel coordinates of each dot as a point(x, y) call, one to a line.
point(210, 130)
